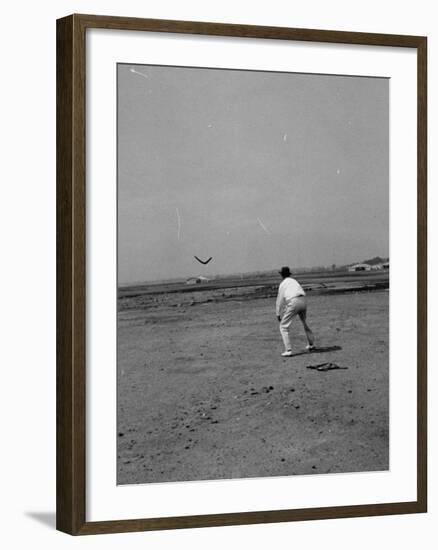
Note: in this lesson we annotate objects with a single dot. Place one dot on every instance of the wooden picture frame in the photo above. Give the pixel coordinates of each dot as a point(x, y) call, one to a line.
point(71, 273)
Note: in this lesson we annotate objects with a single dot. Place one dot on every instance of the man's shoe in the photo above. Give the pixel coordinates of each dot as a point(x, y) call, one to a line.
point(287, 353)
point(310, 347)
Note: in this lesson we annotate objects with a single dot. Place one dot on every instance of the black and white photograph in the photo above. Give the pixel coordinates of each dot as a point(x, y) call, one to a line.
point(253, 274)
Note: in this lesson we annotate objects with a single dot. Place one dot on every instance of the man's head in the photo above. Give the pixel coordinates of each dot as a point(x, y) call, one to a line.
point(285, 272)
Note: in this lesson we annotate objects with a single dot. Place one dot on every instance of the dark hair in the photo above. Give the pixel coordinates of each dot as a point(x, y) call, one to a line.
point(285, 271)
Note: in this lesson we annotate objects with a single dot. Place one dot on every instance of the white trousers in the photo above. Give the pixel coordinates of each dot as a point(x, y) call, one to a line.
point(295, 306)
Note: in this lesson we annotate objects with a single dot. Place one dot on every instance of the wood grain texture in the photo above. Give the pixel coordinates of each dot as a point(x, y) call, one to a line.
point(422, 274)
point(71, 270)
point(248, 518)
point(248, 31)
point(70, 237)
point(64, 271)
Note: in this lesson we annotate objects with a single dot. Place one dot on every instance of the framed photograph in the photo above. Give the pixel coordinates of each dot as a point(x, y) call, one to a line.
point(241, 274)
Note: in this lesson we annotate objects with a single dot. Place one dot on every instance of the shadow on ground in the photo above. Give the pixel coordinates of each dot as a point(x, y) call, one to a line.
point(45, 518)
point(317, 350)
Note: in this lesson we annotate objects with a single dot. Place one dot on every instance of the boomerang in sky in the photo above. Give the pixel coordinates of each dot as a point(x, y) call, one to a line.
point(206, 261)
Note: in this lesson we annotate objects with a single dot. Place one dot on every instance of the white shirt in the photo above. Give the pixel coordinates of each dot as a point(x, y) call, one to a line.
point(289, 288)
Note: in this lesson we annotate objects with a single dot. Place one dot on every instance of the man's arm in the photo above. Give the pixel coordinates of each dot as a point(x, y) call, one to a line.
point(279, 302)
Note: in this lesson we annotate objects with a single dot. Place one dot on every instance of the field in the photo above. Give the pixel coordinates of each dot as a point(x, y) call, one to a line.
point(203, 392)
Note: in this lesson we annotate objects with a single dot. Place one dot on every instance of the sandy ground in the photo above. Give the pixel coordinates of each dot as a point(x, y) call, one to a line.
point(203, 392)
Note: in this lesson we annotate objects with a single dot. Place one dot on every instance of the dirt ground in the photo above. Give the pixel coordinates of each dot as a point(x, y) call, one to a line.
point(203, 392)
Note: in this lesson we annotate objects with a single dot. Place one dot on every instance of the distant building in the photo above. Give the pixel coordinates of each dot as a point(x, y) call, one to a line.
point(359, 267)
point(197, 280)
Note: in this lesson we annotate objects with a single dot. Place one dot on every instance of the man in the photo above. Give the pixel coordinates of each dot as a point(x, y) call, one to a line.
point(291, 301)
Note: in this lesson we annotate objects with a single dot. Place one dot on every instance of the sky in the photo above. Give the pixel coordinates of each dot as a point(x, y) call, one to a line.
point(256, 169)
